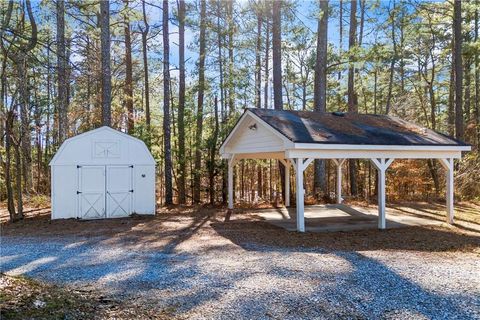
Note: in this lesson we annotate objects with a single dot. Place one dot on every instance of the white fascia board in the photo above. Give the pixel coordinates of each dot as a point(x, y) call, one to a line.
point(287, 143)
point(320, 146)
point(373, 153)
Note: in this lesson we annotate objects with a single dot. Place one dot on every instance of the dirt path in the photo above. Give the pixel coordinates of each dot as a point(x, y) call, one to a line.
point(199, 267)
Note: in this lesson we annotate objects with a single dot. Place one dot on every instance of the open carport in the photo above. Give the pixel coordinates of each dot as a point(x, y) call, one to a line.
point(297, 138)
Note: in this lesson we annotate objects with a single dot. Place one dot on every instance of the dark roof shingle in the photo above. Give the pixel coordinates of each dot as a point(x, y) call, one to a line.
point(350, 128)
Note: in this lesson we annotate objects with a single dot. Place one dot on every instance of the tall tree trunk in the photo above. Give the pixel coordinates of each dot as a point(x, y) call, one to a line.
point(432, 165)
point(231, 89)
point(277, 55)
point(467, 100)
point(375, 85)
point(267, 54)
point(145, 30)
point(181, 103)
point(402, 50)
point(320, 91)
point(223, 113)
point(213, 152)
point(128, 89)
point(340, 24)
point(61, 73)
point(362, 22)
point(25, 129)
point(6, 189)
point(37, 117)
point(258, 65)
point(201, 91)
point(457, 58)
point(277, 70)
point(477, 82)
point(49, 110)
point(392, 61)
point(352, 100)
point(220, 61)
point(18, 180)
point(20, 58)
point(451, 99)
point(166, 107)
point(8, 165)
point(106, 71)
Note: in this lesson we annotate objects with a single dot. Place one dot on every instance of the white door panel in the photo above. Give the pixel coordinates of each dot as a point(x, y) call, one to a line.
point(91, 192)
point(119, 191)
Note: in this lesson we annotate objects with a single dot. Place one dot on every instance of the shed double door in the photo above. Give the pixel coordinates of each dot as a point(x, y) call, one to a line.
point(104, 191)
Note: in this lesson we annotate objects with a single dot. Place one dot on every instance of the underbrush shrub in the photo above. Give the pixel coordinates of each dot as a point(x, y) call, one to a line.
point(38, 201)
point(467, 176)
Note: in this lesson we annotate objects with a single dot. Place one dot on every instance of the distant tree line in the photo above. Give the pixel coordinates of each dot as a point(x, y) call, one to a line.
point(70, 66)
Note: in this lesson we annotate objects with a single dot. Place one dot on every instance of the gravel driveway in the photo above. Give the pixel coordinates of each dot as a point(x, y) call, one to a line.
point(202, 268)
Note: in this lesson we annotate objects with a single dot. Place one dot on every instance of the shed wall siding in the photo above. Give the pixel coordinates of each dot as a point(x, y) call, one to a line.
point(144, 194)
point(64, 192)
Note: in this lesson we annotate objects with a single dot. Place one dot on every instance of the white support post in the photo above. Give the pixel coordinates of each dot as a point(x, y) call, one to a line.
point(287, 184)
point(382, 166)
point(382, 223)
point(339, 163)
point(448, 165)
point(299, 167)
point(231, 164)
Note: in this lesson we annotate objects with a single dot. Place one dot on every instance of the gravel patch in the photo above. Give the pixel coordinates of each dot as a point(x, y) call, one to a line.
point(201, 268)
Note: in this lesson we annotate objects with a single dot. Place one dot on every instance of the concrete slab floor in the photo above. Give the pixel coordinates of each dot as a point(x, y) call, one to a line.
point(339, 217)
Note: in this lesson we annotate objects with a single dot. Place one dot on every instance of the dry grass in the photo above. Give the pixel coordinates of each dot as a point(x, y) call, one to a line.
point(23, 298)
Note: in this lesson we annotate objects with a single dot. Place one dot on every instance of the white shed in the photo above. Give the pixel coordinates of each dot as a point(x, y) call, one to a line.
point(103, 173)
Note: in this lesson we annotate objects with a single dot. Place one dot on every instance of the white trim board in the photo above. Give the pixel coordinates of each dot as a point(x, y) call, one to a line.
point(368, 154)
point(320, 146)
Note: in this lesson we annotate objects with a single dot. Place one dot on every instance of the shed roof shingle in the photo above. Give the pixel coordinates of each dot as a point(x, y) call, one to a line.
point(350, 128)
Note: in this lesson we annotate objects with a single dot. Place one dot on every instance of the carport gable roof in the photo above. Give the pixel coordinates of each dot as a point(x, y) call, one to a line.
point(350, 129)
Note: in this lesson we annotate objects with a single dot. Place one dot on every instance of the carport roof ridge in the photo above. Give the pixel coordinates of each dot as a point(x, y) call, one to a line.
point(350, 128)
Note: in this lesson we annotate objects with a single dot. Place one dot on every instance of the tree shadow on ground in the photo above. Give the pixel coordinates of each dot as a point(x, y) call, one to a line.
point(384, 293)
point(252, 234)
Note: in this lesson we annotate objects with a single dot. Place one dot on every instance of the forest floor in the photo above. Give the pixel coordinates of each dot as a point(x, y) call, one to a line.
point(188, 263)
